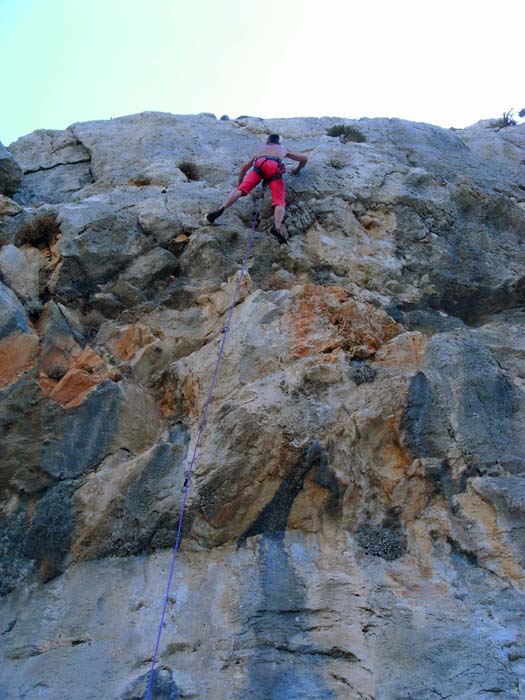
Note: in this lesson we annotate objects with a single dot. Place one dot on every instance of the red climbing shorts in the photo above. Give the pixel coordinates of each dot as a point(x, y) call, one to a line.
point(277, 187)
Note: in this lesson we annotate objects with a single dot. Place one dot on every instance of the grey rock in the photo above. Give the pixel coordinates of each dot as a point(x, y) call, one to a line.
point(285, 620)
point(55, 165)
point(23, 270)
point(98, 239)
point(139, 421)
point(507, 493)
point(436, 647)
point(60, 343)
point(177, 212)
point(68, 451)
point(12, 314)
point(10, 172)
point(466, 397)
point(107, 303)
point(54, 185)
point(134, 529)
point(14, 567)
point(126, 294)
point(163, 687)
point(45, 149)
point(154, 265)
point(171, 139)
point(47, 539)
point(503, 149)
point(8, 207)
point(22, 438)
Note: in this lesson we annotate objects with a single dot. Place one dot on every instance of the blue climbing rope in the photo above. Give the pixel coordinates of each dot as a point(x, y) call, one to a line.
point(225, 330)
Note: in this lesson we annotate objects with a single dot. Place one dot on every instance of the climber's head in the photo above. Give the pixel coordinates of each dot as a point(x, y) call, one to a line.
point(273, 138)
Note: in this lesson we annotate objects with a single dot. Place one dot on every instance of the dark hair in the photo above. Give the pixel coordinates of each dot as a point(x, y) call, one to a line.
point(273, 138)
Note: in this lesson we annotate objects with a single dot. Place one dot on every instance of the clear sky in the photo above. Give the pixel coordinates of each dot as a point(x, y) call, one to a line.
point(449, 63)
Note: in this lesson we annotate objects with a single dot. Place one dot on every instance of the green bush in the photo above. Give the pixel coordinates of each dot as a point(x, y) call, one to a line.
point(190, 170)
point(507, 119)
point(349, 133)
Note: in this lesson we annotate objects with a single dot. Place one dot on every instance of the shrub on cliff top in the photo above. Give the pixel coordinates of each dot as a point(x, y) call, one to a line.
point(507, 119)
point(349, 133)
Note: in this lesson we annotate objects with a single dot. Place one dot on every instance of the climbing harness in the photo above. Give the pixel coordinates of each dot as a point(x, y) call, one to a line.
point(187, 476)
point(281, 169)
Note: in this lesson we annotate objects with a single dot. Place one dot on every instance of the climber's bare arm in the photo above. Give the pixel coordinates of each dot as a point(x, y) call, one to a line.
point(299, 157)
point(245, 169)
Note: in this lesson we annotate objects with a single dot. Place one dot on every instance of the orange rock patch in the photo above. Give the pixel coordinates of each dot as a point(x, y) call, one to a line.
point(17, 355)
point(129, 340)
point(87, 371)
point(312, 329)
point(191, 392)
point(405, 354)
point(167, 402)
point(363, 328)
point(392, 457)
point(325, 318)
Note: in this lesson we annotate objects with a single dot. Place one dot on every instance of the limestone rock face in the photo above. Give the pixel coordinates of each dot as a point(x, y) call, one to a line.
point(354, 526)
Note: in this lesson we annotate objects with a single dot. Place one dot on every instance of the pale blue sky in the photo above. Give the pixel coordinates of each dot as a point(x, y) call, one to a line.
point(449, 63)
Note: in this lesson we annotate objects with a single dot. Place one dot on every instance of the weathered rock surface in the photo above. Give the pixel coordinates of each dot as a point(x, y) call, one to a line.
point(10, 172)
point(55, 165)
point(355, 520)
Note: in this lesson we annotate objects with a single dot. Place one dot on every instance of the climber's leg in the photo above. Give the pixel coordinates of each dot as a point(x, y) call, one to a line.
point(278, 191)
point(246, 186)
point(278, 216)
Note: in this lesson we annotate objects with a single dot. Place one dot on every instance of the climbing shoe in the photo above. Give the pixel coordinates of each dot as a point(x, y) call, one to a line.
point(213, 215)
point(282, 240)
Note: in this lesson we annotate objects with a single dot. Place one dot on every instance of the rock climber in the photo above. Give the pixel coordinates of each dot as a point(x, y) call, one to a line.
point(266, 164)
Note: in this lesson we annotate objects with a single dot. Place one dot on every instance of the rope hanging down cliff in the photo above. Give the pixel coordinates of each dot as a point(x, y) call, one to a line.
point(225, 330)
